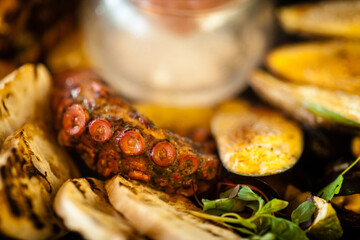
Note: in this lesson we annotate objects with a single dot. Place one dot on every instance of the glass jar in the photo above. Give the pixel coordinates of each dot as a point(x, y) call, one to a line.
point(179, 52)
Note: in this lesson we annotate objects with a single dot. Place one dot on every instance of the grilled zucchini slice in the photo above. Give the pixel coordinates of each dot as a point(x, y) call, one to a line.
point(329, 64)
point(314, 106)
point(255, 141)
point(325, 18)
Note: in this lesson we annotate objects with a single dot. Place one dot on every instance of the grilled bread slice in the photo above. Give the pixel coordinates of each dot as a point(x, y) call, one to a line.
point(32, 169)
point(24, 96)
point(82, 204)
point(158, 215)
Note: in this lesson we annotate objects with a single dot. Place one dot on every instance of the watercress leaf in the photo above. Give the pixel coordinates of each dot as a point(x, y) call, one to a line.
point(274, 205)
point(224, 204)
point(226, 194)
point(282, 228)
point(246, 194)
point(303, 212)
point(333, 188)
point(266, 236)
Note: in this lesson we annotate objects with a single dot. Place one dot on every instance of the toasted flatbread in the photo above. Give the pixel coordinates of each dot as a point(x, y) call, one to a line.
point(158, 215)
point(32, 168)
point(24, 96)
point(82, 204)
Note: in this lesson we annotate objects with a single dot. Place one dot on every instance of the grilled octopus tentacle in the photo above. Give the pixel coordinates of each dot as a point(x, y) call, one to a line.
point(111, 137)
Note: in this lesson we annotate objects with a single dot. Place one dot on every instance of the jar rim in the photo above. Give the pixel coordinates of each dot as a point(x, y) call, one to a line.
point(186, 7)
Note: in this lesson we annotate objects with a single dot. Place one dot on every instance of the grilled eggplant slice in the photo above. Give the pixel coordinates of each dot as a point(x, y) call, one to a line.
point(311, 105)
point(82, 204)
point(254, 140)
point(329, 64)
point(24, 96)
point(32, 168)
point(158, 215)
point(327, 18)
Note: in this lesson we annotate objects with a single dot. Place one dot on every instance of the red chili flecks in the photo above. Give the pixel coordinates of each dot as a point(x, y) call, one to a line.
point(163, 153)
point(107, 166)
point(132, 143)
point(100, 130)
point(138, 175)
point(188, 164)
point(74, 120)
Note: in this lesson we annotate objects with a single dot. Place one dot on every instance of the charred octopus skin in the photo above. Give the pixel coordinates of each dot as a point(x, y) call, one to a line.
point(113, 138)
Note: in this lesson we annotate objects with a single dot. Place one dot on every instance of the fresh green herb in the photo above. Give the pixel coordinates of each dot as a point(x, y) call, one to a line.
point(266, 236)
point(329, 114)
point(303, 212)
point(334, 187)
point(224, 204)
point(282, 228)
point(261, 224)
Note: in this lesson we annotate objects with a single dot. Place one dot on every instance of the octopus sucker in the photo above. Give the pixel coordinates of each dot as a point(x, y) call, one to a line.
point(112, 138)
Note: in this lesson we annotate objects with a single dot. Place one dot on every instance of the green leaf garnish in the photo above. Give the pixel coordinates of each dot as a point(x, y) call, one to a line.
point(282, 228)
point(303, 212)
point(274, 205)
point(262, 224)
point(334, 187)
point(329, 114)
point(224, 204)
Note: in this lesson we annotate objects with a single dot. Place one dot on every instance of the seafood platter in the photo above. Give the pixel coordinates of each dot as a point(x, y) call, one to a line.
point(273, 152)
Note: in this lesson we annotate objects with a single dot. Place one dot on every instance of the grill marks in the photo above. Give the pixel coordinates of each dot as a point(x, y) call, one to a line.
point(78, 187)
point(16, 189)
point(4, 106)
point(28, 185)
point(38, 224)
point(93, 185)
point(15, 175)
point(4, 111)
